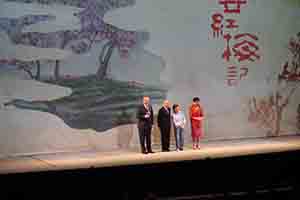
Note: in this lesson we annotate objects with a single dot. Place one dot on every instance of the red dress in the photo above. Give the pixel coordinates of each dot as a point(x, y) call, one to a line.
point(196, 125)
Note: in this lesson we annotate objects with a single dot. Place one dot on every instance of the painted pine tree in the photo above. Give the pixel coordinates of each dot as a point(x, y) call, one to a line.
point(96, 102)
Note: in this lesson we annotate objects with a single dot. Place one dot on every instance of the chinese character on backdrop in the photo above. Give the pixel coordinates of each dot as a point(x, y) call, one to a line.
point(217, 25)
point(232, 6)
point(245, 48)
point(239, 47)
point(235, 74)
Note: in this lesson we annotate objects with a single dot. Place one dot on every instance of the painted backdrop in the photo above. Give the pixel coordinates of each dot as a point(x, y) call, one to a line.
point(74, 71)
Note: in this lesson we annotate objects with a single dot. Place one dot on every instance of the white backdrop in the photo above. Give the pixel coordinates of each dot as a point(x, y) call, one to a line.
point(183, 55)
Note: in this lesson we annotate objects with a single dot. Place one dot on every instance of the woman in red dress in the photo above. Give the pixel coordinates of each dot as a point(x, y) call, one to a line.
point(196, 117)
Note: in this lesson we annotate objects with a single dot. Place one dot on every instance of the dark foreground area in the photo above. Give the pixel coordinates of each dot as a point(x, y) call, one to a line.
point(255, 177)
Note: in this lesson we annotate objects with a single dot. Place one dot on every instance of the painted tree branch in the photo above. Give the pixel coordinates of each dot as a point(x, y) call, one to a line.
point(104, 58)
point(113, 104)
point(272, 109)
point(26, 69)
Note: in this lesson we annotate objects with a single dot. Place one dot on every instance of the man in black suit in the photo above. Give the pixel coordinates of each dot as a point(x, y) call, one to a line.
point(164, 124)
point(145, 122)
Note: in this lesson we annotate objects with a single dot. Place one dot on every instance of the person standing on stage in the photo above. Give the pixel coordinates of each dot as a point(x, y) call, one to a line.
point(196, 117)
point(179, 124)
point(145, 122)
point(164, 124)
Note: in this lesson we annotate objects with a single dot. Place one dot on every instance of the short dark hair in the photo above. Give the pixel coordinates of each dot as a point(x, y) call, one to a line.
point(174, 107)
point(196, 99)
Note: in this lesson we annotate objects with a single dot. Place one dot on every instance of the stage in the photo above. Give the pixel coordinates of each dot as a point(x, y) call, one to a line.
point(93, 159)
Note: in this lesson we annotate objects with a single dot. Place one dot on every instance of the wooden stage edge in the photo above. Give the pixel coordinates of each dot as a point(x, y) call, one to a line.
point(93, 159)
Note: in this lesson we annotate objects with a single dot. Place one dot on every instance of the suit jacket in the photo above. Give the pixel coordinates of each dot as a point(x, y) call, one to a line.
point(141, 112)
point(164, 118)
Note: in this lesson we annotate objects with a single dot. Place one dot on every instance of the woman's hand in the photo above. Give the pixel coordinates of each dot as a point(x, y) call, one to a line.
point(182, 125)
point(198, 118)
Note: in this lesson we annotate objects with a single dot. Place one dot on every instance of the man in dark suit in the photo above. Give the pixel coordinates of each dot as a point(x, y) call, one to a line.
point(164, 124)
point(145, 122)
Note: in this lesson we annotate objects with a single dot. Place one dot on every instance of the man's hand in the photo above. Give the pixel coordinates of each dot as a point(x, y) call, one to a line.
point(148, 115)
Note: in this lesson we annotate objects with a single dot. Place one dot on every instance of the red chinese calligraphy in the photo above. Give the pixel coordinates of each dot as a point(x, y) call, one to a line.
point(246, 49)
point(217, 25)
point(232, 6)
point(227, 52)
point(244, 72)
point(231, 23)
point(241, 46)
point(243, 50)
point(234, 75)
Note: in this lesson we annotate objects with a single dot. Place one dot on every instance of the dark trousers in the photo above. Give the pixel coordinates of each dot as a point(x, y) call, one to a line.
point(165, 138)
point(145, 136)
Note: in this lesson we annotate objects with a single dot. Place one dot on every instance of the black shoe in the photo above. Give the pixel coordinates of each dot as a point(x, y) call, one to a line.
point(144, 152)
point(151, 151)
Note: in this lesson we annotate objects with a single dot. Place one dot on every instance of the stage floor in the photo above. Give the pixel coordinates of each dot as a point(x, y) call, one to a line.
point(82, 160)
